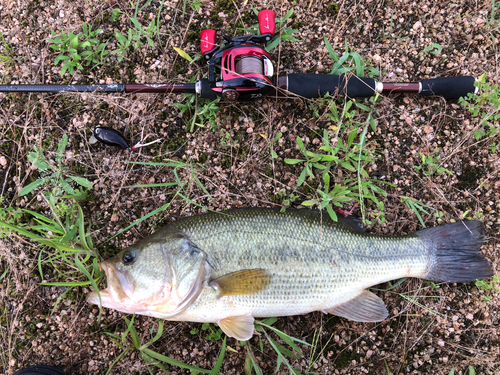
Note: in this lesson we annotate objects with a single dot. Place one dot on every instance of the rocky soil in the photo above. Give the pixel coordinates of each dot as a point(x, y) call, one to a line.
point(429, 331)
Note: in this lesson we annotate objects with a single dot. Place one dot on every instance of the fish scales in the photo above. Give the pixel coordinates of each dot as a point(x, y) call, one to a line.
point(230, 267)
point(307, 272)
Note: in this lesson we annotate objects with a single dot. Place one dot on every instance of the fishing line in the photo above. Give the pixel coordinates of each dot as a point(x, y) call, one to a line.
point(249, 65)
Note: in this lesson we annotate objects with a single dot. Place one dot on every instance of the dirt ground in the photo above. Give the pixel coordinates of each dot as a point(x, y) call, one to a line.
point(431, 331)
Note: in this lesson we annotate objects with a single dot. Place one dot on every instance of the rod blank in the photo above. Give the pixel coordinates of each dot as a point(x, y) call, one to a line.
point(146, 88)
point(62, 88)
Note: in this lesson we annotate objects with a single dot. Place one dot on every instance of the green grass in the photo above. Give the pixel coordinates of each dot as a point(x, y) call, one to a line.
point(129, 342)
point(184, 189)
point(61, 232)
point(346, 150)
point(6, 57)
point(491, 287)
point(316, 351)
point(285, 351)
point(139, 33)
point(284, 345)
point(417, 207)
point(431, 163)
point(413, 296)
point(135, 37)
point(64, 244)
point(77, 50)
point(85, 48)
point(471, 371)
point(58, 178)
point(349, 62)
point(201, 112)
point(214, 333)
point(485, 106)
point(193, 4)
point(494, 15)
point(433, 49)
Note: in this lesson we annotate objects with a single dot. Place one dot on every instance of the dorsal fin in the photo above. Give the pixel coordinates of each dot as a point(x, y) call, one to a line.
point(352, 222)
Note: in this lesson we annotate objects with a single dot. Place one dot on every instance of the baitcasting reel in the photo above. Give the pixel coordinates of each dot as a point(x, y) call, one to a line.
point(239, 69)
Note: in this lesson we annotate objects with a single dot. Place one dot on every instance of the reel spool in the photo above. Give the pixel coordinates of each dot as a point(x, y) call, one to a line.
point(249, 65)
point(240, 70)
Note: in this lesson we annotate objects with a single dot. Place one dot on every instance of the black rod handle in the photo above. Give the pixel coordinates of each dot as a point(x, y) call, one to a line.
point(448, 87)
point(63, 88)
point(317, 85)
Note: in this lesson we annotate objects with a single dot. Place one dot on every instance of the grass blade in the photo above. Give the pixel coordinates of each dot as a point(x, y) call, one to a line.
point(140, 220)
point(281, 357)
point(253, 363)
point(82, 268)
point(81, 229)
point(174, 362)
point(116, 360)
point(218, 364)
point(5, 273)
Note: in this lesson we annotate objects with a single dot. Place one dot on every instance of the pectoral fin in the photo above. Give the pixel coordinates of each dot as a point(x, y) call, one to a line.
point(239, 327)
point(241, 282)
point(366, 307)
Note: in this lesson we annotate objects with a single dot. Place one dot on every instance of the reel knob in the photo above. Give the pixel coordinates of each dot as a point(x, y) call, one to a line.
point(207, 41)
point(267, 22)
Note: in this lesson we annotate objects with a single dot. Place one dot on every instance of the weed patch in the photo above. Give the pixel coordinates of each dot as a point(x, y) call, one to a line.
point(337, 153)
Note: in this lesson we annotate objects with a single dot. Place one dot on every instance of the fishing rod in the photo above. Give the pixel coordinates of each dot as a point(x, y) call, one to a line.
point(240, 69)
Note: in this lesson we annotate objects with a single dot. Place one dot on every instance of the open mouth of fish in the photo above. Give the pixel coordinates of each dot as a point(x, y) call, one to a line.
point(119, 293)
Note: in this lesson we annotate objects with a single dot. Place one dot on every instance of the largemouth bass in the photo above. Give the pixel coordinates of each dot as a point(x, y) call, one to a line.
point(228, 268)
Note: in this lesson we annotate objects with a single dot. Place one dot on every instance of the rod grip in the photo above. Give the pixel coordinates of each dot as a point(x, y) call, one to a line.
point(448, 87)
point(317, 85)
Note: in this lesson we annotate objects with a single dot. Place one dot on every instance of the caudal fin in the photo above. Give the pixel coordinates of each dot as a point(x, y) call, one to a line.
point(455, 248)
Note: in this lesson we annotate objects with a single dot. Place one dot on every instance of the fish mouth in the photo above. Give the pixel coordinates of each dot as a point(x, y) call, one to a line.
point(118, 294)
point(120, 287)
point(98, 298)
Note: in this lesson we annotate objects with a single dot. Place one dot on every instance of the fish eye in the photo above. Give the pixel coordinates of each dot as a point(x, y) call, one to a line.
point(129, 257)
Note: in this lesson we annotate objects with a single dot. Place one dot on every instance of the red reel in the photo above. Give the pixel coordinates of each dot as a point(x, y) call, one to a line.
point(240, 69)
point(245, 73)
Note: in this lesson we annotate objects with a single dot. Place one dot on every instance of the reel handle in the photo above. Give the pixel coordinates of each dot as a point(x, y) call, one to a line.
point(207, 40)
point(267, 22)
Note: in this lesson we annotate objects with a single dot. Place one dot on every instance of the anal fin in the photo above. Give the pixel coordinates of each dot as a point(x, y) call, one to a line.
point(239, 327)
point(366, 307)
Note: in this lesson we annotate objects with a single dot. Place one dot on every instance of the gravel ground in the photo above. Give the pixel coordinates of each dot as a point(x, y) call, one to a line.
point(451, 327)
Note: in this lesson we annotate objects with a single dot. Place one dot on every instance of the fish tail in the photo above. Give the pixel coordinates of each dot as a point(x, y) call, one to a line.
point(454, 250)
